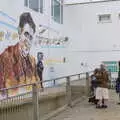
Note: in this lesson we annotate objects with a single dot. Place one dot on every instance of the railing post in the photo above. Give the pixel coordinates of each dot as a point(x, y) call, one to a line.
point(7, 93)
point(35, 102)
point(54, 82)
point(87, 84)
point(110, 80)
point(78, 76)
point(68, 92)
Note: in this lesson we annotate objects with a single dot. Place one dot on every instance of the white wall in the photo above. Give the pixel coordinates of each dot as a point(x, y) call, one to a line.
point(100, 39)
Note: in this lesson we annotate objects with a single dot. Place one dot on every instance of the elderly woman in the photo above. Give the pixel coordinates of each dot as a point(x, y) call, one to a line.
point(102, 94)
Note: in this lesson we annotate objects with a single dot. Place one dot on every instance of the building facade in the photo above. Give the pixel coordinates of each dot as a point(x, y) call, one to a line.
point(93, 28)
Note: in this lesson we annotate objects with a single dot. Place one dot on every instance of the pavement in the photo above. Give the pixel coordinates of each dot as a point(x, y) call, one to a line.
point(87, 111)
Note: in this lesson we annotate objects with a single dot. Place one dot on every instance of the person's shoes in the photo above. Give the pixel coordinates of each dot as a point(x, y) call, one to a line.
point(104, 106)
point(98, 106)
point(96, 102)
point(91, 99)
point(118, 103)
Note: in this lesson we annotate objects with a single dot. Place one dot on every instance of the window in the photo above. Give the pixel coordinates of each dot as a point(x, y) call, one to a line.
point(52, 8)
point(104, 18)
point(62, 13)
point(57, 10)
point(26, 3)
point(36, 5)
point(41, 6)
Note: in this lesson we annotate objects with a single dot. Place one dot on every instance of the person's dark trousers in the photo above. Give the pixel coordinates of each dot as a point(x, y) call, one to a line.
point(41, 80)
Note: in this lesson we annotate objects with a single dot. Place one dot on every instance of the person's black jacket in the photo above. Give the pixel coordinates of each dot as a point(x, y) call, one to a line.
point(117, 87)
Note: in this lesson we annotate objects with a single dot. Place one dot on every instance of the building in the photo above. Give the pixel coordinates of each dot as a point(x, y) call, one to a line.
point(74, 38)
point(93, 28)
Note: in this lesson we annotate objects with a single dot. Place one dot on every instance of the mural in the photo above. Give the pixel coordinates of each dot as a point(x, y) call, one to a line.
point(17, 65)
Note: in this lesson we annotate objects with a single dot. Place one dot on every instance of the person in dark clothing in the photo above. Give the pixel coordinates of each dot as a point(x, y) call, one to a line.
point(93, 87)
point(117, 85)
point(40, 67)
point(94, 79)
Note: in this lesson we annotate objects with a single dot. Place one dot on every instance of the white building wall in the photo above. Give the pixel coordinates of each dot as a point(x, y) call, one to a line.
point(92, 42)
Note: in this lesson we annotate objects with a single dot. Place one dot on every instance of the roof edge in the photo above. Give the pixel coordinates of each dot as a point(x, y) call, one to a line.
point(91, 2)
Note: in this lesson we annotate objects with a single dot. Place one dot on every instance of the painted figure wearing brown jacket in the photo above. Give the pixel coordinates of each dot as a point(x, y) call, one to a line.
point(17, 66)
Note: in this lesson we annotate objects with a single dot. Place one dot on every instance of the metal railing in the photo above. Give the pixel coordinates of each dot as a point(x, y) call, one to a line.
point(11, 105)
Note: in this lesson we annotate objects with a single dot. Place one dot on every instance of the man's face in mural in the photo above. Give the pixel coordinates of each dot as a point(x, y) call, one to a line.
point(26, 39)
point(26, 31)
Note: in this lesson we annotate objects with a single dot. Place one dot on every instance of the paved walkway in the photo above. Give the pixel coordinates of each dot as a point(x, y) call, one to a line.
point(86, 111)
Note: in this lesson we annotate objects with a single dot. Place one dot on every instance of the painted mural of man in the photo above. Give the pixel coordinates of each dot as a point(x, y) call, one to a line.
point(17, 66)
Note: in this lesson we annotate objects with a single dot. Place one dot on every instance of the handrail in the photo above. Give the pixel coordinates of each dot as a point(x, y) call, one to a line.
point(9, 101)
point(64, 77)
point(23, 85)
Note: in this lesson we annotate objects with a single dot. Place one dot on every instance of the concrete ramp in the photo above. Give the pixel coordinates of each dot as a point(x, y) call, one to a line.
point(86, 111)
